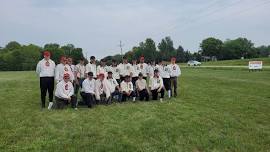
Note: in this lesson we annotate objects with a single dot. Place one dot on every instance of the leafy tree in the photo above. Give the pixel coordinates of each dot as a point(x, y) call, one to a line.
point(13, 45)
point(211, 47)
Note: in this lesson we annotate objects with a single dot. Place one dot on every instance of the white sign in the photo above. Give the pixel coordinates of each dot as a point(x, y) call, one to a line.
point(255, 65)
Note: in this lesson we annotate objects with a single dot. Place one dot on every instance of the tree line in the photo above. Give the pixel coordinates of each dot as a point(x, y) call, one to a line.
point(17, 57)
point(209, 48)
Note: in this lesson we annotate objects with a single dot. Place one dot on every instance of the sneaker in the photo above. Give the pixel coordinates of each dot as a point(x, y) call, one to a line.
point(50, 105)
point(134, 99)
point(75, 108)
point(161, 100)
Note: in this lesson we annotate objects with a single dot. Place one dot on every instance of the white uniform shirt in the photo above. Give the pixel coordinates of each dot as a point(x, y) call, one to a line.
point(113, 84)
point(141, 84)
point(143, 69)
point(116, 72)
point(102, 69)
point(88, 86)
point(150, 70)
point(45, 68)
point(64, 90)
point(174, 70)
point(125, 69)
point(155, 83)
point(91, 68)
point(60, 70)
point(135, 70)
point(80, 70)
point(102, 87)
point(126, 86)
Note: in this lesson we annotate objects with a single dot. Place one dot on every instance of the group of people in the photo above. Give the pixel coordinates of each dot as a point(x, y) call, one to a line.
point(103, 84)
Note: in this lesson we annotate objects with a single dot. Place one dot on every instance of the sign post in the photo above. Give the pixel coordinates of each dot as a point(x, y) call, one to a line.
point(255, 65)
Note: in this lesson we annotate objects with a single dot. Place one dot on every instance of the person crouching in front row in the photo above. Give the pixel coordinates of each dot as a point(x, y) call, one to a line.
point(114, 87)
point(88, 90)
point(102, 90)
point(127, 89)
point(156, 86)
point(64, 93)
point(142, 88)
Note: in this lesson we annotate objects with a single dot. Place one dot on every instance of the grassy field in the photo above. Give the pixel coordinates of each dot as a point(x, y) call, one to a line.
point(217, 110)
point(244, 62)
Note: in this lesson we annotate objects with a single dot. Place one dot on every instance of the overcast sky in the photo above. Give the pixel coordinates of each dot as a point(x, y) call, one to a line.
point(97, 26)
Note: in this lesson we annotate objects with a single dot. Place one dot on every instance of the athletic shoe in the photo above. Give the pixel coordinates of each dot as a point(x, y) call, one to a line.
point(50, 105)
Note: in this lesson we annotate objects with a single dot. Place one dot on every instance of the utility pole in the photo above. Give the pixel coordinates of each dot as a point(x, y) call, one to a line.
point(121, 45)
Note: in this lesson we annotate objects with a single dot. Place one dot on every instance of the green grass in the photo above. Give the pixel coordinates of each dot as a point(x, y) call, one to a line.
point(217, 110)
point(244, 62)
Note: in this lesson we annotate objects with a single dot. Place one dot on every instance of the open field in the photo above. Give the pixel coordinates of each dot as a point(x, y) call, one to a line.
point(217, 110)
point(244, 62)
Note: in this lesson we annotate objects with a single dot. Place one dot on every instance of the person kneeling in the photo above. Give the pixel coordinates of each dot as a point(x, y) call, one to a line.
point(142, 88)
point(156, 86)
point(114, 87)
point(127, 89)
point(64, 93)
point(102, 90)
point(88, 90)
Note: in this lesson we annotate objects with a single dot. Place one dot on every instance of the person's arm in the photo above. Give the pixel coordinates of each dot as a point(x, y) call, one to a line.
point(179, 71)
point(38, 68)
point(57, 74)
point(97, 90)
point(71, 91)
point(161, 85)
point(60, 89)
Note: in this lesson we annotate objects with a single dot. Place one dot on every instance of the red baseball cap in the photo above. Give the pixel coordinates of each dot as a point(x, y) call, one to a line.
point(142, 57)
point(173, 58)
point(47, 53)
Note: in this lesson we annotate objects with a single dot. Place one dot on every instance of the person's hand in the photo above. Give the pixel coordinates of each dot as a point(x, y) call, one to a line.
point(69, 99)
point(159, 90)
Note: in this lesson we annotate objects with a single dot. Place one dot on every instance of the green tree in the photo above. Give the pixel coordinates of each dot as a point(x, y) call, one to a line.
point(212, 47)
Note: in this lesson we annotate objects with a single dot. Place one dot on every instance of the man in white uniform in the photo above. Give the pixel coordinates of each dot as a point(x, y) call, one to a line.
point(143, 67)
point(45, 70)
point(88, 90)
point(156, 86)
point(63, 68)
point(125, 69)
point(102, 90)
point(175, 72)
point(92, 67)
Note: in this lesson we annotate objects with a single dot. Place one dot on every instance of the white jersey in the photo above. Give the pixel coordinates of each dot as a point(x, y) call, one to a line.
point(164, 71)
point(91, 68)
point(60, 70)
point(45, 68)
point(143, 69)
point(80, 70)
point(64, 90)
point(155, 83)
point(174, 70)
point(150, 70)
point(126, 86)
point(102, 69)
point(116, 71)
point(113, 84)
point(125, 69)
point(135, 70)
point(88, 86)
point(102, 87)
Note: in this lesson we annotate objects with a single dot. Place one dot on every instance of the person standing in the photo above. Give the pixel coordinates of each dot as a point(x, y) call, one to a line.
point(135, 72)
point(115, 70)
point(80, 71)
point(63, 68)
point(45, 69)
point(164, 72)
point(175, 72)
point(102, 68)
point(91, 66)
point(156, 86)
point(125, 69)
point(143, 67)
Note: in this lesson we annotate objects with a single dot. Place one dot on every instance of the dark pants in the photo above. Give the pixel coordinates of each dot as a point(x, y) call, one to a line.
point(46, 84)
point(103, 99)
point(125, 96)
point(78, 86)
point(143, 94)
point(167, 83)
point(118, 94)
point(134, 79)
point(62, 103)
point(155, 93)
point(88, 99)
point(174, 84)
point(118, 81)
